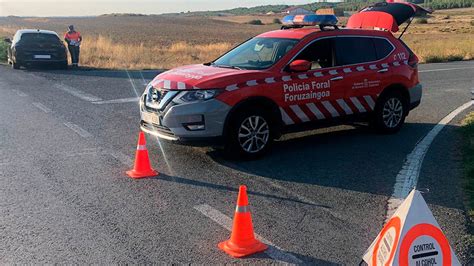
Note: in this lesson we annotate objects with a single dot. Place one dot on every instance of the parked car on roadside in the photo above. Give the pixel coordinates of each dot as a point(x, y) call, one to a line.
point(292, 79)
point(36, 47)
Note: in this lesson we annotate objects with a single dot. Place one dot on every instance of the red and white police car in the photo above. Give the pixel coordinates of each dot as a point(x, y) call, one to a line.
point(291, 79)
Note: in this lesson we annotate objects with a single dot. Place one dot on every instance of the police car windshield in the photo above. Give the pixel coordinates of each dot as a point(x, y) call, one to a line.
point(256, 53)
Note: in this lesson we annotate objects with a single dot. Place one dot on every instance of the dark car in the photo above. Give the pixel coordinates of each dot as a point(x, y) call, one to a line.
point(30, 47)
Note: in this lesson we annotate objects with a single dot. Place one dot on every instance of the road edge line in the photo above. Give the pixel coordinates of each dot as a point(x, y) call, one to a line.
point(407, 177)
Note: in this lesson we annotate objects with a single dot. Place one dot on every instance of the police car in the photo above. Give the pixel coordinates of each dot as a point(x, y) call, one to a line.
point(308, 74)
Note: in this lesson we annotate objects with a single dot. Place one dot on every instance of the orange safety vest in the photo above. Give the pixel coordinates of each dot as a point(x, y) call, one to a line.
point(73, 36)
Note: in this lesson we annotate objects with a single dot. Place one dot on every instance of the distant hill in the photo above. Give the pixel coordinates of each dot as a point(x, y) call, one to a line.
point(347, 5)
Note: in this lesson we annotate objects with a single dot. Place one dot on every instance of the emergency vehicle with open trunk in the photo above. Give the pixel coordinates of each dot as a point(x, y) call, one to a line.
point(296, 78)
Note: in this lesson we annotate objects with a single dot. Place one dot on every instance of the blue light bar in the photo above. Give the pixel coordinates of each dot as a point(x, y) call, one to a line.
point(309, 20)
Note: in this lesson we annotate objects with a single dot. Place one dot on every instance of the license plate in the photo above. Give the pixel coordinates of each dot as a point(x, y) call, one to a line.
point(42, 56)
point(151, 118)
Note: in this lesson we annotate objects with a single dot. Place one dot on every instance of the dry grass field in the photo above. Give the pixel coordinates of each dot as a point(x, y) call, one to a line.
point(140, 42)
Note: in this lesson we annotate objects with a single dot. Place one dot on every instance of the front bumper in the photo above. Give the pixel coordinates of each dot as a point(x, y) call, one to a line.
point(176, 122)
point(415, 95)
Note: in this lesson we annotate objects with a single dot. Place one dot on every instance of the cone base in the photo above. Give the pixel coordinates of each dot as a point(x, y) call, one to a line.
point(238, 252)
point(141, 174)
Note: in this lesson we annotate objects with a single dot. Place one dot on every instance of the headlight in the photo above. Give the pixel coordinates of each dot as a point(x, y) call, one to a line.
point(195, 96)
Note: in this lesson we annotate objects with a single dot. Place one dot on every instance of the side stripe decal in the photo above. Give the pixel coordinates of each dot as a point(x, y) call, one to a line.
point(301, 115)
point(330, 108)
point(357, 104)
point(286, 118)
point(370, 101)
point(344, 106)
point(312, 107)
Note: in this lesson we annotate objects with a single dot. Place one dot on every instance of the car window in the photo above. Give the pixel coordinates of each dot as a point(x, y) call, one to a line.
point(354, 50)
point(39, 38)
point(320, 53)
point(256, 53)
point(382, 47)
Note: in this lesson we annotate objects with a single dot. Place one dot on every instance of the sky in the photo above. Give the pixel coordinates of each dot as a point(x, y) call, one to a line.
point(97, 7)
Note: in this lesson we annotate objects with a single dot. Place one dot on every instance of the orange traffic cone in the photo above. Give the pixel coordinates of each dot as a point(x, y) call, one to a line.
point(242, 241)
point(142, 167)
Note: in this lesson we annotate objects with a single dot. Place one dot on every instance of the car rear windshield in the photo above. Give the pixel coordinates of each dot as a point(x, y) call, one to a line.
point(256, 53)
point(39, 38)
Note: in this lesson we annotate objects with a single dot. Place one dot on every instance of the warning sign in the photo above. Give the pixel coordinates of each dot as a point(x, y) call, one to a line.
point(411, 237)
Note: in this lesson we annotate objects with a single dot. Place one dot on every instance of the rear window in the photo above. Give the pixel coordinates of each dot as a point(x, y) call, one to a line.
point(382, 47)
point(354, 50)
point(39, 38)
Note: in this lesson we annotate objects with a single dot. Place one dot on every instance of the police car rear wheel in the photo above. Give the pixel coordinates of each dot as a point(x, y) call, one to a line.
point(250, 135)
point(390, 112)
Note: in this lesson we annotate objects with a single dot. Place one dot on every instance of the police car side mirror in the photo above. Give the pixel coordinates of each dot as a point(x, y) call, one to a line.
point(7, 40)
point(299, 66)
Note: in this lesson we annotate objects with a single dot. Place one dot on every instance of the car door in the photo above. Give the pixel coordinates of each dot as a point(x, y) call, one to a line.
point(363, 77)
point(312, 95)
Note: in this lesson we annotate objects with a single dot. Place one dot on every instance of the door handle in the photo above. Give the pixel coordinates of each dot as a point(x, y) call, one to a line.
point(336, 78)
point(383, 70)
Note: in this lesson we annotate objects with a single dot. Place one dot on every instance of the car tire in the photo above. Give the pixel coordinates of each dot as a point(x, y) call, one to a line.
point(15, 65)
point(390, 112)
point(250, 134)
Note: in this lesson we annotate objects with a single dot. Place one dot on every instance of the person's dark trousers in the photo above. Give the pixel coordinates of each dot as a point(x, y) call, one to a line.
point(74, 51)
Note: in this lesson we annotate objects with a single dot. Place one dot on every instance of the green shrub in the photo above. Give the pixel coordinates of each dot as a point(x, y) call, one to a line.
point(441, 59)
point(255, 22)
point(276, 21)
point(3, 51)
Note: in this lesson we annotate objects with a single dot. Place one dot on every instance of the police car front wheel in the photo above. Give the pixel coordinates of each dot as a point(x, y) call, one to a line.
point(250, 135)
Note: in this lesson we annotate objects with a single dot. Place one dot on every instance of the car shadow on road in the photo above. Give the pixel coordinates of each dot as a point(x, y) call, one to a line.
point(351, 158)
point(93, 72)
point(198, 183)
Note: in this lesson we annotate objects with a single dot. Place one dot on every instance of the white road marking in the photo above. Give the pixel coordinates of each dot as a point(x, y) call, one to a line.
point(407, 178)
point(20, 93)
point(143, 79)
point(301, 115)
point(131, 82)
point(80, 131)
point(124, 159)
point(444, 69)
point(77, 93)
point(223, 220)
point(42, 107)
point(123, 100)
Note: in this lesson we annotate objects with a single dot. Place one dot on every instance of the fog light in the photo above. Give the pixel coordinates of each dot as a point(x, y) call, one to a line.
point(195, 127)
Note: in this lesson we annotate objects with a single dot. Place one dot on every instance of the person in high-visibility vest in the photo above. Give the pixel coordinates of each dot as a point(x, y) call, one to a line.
point(73, 39)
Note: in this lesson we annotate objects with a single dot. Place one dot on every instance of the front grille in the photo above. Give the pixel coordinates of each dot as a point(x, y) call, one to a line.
point(157, 99)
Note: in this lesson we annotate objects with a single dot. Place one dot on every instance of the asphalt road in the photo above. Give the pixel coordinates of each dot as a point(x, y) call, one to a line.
point(67, 137)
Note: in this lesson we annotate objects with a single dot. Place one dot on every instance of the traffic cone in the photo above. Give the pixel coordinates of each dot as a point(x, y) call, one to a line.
point(242, 241)
point(142, 167)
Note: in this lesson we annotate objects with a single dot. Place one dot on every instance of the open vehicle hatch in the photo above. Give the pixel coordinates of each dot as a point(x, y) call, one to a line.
point(386, 16)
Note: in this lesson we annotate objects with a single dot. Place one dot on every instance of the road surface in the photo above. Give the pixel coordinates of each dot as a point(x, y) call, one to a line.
point(67, 137)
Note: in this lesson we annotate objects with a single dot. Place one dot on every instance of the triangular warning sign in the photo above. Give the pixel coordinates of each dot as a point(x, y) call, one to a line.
point(411, 237)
